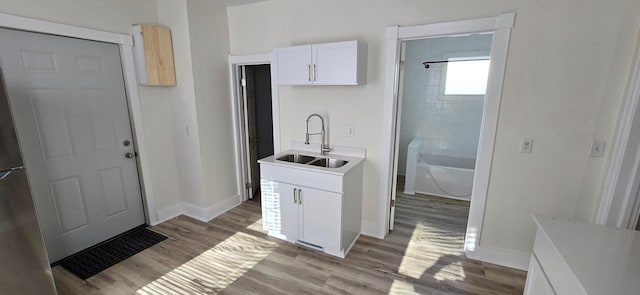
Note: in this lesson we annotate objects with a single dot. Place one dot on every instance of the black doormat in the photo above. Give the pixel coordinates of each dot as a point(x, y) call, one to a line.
point(104, 255)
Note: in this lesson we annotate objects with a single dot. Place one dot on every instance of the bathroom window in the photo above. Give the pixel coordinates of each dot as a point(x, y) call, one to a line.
point(464, 77)
point(467, 77)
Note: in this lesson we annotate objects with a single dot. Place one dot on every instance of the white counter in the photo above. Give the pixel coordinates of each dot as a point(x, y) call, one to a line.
point(584, 258)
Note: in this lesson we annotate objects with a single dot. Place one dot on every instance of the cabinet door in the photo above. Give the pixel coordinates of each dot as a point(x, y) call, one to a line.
point(320, 217)
point(279, 210)
point(335, 63)
point(294, 65)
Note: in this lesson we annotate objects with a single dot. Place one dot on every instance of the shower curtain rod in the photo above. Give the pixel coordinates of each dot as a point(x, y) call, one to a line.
point(426, 63)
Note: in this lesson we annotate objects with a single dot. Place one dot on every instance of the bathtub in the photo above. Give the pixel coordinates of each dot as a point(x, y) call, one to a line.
point(436, 175)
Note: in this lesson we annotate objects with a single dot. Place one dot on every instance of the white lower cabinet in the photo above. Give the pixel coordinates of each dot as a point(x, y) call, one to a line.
point(305, 215)
point(311, 216)
point(537, 281)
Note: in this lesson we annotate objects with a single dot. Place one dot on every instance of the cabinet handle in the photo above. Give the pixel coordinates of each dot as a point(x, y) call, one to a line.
point(299, 196)
point(315, 72)
point(295, 197)
point(309, 72)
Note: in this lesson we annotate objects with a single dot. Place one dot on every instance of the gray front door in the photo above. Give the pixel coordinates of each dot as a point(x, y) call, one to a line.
point(69, 102)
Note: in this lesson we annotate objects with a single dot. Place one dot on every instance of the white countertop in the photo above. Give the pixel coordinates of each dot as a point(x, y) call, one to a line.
point(352, 162)
point(604, 260)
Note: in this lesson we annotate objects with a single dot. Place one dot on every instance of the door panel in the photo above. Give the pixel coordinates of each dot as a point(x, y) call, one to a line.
point(319, 219)
point(289, 211)
point(69, 204)
point(280, 211)
point(335, 63)
point(71, 116)
point(294, 65)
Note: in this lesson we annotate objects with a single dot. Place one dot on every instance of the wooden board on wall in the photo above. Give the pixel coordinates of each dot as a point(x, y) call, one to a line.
point(156, 53)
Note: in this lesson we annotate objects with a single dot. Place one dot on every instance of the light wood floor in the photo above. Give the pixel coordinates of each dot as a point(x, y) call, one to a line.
point(232, 255)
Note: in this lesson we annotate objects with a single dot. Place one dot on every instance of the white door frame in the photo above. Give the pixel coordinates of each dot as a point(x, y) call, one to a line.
point(235, 62)
point(501, 27)
point(125, 43)
point(619, 204)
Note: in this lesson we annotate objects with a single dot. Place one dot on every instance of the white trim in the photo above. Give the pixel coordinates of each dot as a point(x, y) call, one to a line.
point(197, 212)
point(39, 26)
point(389, 127)
point(252, 59)
point(501, 27)
point(125, 43)
point(502, 21)
point(502, 257)
point(621, 183)
point(207, 214)
point(238, 120)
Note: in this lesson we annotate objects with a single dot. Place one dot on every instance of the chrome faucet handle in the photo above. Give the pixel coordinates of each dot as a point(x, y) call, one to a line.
point(324, 149)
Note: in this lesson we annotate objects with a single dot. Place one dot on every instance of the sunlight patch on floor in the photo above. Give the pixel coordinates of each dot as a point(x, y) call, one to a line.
point(401, 287)
point(256, 226)
point(215, 269)
point(450, 272)
point(441, 267)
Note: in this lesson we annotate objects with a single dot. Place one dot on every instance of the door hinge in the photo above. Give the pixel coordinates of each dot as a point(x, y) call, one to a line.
point(393, 203)
point(243, 82)
point(247, 185)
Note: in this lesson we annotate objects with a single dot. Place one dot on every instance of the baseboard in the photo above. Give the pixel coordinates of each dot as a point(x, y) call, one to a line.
point(165, 214)
point(197, 212)
point(372, 229)
point(512, 259)
point(207, 214)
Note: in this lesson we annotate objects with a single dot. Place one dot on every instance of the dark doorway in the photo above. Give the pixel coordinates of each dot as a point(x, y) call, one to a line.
point(259, 121)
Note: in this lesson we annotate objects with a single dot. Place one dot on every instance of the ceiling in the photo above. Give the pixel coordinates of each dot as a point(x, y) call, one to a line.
point(237, 2)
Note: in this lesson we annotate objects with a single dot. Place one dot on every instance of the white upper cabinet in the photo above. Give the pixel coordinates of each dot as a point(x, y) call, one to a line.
point(294, 65)
point(338, 63)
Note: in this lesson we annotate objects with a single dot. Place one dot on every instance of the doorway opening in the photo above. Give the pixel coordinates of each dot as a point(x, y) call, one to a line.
point(499, 28)
point(442, 85)
point(257, 122)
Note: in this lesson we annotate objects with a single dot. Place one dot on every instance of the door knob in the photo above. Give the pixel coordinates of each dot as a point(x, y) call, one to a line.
point(128, 155)
point(126, 142)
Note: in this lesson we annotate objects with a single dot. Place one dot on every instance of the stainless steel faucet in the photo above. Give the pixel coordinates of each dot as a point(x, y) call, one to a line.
point(323, 147)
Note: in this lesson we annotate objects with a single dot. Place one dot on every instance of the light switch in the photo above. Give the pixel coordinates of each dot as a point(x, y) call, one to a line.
point(526, 145)
point(597, 148)
point(350, 130)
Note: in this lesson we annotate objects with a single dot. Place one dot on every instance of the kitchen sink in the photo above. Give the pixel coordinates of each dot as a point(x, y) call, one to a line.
point(296, 158)
point(329, 163)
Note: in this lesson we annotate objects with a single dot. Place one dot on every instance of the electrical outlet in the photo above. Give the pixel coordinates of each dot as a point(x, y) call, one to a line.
point(526, 145)
point(350, 130)
point(597, 148)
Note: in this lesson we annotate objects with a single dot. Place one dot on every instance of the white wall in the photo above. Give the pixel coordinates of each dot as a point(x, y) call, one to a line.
point(449, 126)
point(208, 28)
point(173, 14)
point(118, 16)
point(565, 76)
point(201, 103)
